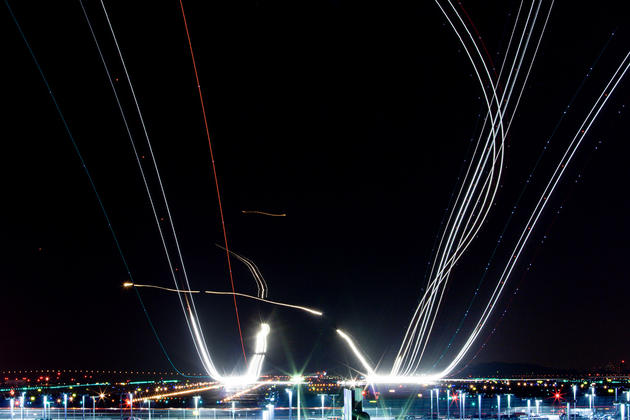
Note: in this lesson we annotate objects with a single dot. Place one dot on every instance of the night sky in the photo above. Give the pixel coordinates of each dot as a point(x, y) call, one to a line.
point(354, 119)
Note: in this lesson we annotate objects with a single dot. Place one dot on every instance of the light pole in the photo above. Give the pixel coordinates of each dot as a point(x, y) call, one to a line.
point(322, 397)
point(65, 406)
point(437, 402)
point(448, 404)
point(22, 406)
point(529, 409)
point(463, 405)
point(93, 407)
point(149, 407)
point(83, 407)
point(479, 404)
point(12, 404)
point(431, 398)
point(196, 399)
point(299, 405)
point(45, 402)
point(574, 388)
point(290, 392)
point(233, 408)
point(131, 405)
point(498, 407)
point(537, 407)
point(509, 398)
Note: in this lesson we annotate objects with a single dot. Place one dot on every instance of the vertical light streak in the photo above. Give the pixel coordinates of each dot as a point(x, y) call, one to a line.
point(216, 179)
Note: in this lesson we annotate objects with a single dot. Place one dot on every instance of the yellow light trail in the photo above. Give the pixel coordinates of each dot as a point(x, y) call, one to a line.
point(214, 292)
point(264, 213)
point(184, 392)
point(245, 391)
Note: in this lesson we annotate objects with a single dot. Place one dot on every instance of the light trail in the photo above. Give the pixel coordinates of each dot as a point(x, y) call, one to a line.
point(215, 292)
point(357, 353)
point(540, 206)
point(145, 183)
point(473, 204)
point(371, 377)
point(214, 173)
point(190, 312)
point(264, 213)
point(517, 203)
point(418, 326)
point(261, 284)
point(87, 172)
point(288, 305)
point(423, 335)
point(180, 393)
point(421, 326)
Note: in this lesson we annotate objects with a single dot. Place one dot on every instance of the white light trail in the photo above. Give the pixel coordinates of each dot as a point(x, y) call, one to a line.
point(540, 206)
point(424, 332)
point(190, 312)
point(356, 352)
point(215, 292)
point(473, 203)
point(261, 284)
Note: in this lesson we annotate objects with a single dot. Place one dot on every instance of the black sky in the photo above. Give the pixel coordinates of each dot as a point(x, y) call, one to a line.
point(354, 118)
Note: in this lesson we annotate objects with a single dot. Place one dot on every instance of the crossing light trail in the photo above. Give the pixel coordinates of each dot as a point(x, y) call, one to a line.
point(424, 319)
point(582, 131)
point(517, 204)
point(426, 322)
point(143, 174)
point(561, 167)
point(462, 226)
point(187, 303)
point(215, 292)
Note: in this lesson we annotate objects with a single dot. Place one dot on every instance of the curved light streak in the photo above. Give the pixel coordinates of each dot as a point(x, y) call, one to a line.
point(541, 204)
point(261, 284)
